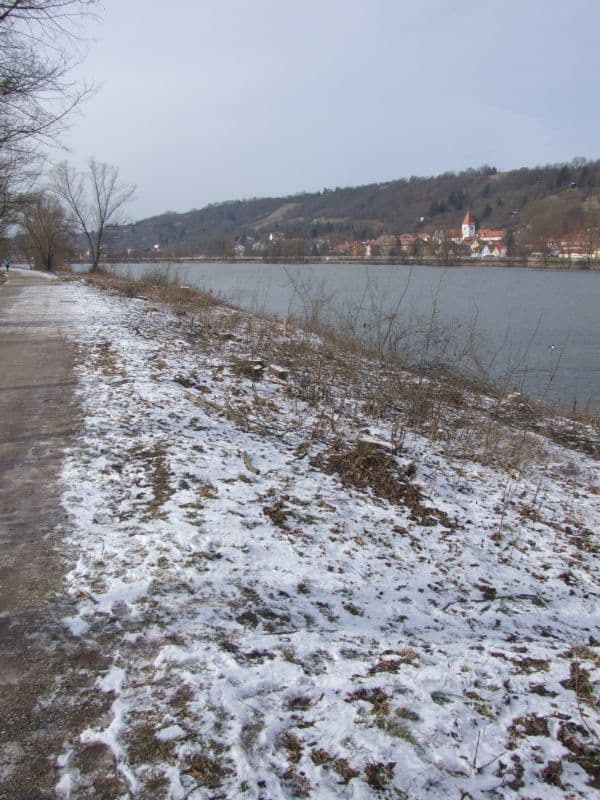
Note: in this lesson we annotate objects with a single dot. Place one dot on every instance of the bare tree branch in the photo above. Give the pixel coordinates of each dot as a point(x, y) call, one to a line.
point(39, 47)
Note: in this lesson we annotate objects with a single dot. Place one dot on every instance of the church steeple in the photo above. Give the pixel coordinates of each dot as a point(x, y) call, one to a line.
point(468, 226)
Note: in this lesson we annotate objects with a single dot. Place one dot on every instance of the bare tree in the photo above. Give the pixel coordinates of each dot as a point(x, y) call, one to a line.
point(38, 48)
point(46, 228)
point(31, 10)
point(94, 197)
point(40, 43)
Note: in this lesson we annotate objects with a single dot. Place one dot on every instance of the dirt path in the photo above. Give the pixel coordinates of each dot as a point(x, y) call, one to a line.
point(38, 419)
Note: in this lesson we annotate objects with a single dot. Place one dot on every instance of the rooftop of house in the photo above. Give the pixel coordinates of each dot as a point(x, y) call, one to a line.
point(490, 232)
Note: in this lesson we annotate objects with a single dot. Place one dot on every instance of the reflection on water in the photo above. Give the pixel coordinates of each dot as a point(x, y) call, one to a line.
point(535, 330)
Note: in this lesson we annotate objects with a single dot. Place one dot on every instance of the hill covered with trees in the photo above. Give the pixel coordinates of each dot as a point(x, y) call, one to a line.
point(531, 204)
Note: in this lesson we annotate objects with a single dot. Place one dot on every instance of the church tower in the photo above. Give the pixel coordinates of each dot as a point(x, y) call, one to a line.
point(468, 226)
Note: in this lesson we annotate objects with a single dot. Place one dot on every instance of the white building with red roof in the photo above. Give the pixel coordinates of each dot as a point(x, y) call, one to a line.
point(489, 235)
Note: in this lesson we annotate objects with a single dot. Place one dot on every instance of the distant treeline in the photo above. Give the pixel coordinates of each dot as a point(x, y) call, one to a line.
point(532, 204)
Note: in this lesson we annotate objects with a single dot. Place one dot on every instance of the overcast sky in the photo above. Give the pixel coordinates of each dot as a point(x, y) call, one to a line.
point(201, 101)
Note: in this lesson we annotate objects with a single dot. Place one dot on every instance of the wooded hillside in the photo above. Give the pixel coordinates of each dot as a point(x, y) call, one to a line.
point(531, 203)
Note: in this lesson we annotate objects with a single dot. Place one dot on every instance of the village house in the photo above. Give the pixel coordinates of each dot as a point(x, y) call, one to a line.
point(465, 242)
point(447, 235)
point(407, 241)
point(349, 248)
point(489, 235)
point(390, 245)
point(410, 243)
point(470, 242)
point(384, 245)
point(575, 247)
point(483, 243)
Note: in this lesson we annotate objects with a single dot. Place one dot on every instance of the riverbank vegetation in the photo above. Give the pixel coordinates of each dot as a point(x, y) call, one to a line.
point(428, 378)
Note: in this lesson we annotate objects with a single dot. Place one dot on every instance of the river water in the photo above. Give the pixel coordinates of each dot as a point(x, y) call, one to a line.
point(536, 331)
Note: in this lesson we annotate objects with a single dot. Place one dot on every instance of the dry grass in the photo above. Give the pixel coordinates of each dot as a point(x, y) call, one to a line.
point(107, 360)
point(209, 769)
point(156, 466)
point(369, 467)
point(156, 287)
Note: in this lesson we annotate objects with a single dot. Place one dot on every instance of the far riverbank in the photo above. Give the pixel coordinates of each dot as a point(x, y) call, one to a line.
point(487, 263)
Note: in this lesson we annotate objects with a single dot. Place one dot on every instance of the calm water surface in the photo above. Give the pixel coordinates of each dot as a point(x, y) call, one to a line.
point(535, 330)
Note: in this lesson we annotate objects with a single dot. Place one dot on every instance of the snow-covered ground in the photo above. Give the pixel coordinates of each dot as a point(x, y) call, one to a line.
point(277, 629)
